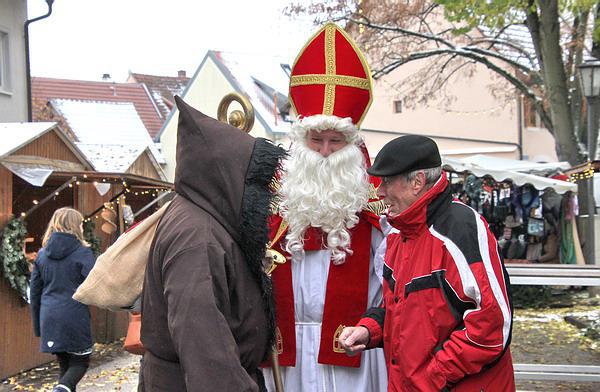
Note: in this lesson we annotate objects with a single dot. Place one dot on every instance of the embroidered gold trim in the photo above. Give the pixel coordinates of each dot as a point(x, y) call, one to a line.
point(337, 346)
point(278, 341)
point(338, 80)
point(329, 99)
point(330, 49)
point(376, 207)
point(282, 227)
point(372, 192)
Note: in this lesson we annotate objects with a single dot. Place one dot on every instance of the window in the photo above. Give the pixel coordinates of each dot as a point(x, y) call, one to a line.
point(398, 106)
point(4, 76)
point(531, 118)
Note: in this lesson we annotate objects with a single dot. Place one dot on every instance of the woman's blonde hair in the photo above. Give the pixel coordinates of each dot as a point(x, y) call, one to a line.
point(65, 220)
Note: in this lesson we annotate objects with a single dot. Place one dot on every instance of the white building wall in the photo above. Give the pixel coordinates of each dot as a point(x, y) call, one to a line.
point(13, 93)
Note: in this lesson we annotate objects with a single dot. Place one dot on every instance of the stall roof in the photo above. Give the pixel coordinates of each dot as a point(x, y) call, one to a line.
point(117, 158)
point(113, 158)
point(496, 163)
point(17, 135)
point(500, 174)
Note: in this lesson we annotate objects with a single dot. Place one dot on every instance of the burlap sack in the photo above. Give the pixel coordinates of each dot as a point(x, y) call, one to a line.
point(116, 280)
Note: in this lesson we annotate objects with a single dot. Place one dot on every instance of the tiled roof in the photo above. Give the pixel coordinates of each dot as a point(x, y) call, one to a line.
point(162, 89)
point(45, 89)
point(99, 122)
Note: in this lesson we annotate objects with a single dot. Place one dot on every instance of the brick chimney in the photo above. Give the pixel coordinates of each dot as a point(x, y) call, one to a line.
point(181, 73)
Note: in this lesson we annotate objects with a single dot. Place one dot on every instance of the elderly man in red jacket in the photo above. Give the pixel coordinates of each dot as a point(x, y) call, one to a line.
point(446, 319)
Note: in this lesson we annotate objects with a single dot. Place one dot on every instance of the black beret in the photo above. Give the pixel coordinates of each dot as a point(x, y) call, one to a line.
point(405, 154)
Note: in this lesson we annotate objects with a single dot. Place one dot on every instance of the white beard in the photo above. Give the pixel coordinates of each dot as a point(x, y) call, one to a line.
point(327, 193)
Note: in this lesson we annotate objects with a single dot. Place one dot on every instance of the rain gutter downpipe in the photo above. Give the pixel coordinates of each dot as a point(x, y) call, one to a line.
point(27, 61)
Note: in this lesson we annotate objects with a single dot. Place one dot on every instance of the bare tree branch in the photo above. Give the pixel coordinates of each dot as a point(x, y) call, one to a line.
point(456, 69)
point(430, 37)
point(494, 42)
point(512, 79)
point(437, 38)
point(496, 55)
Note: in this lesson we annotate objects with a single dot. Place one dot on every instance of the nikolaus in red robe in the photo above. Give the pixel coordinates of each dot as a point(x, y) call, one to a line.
point(328, 224)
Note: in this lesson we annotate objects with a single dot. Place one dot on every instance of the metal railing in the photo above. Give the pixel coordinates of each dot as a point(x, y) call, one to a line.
point(554, 274)
point(559, 275)
point(579, 373)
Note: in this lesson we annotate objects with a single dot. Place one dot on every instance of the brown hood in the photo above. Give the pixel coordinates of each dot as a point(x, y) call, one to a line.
point(212, 160)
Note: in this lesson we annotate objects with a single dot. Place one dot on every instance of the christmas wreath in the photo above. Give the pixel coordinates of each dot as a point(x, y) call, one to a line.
point(89, 233)
point(15, 267)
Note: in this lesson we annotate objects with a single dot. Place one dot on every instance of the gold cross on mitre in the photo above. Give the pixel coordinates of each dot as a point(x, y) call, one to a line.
point(352, 71)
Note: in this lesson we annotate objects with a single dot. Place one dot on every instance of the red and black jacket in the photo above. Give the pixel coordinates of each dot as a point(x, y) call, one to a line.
point(446, 318)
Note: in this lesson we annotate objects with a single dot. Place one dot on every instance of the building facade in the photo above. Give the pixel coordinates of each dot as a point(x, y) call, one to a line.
point(13, 86)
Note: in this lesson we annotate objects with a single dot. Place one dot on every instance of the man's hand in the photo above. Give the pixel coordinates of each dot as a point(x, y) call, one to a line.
point(354, 339)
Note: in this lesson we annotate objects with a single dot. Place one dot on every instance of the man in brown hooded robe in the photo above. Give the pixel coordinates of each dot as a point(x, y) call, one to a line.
point(207, 309)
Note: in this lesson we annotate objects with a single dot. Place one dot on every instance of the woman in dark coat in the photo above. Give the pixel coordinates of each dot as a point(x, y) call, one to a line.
point(63, 323)
point(207, 309)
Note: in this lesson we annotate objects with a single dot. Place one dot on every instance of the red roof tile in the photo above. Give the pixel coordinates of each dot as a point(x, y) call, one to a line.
point(162, 88)
point(44, 89)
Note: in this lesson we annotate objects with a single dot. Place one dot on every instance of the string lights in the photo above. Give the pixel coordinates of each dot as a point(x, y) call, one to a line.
point(76, 181)
point(113, 204)
point(584, 174)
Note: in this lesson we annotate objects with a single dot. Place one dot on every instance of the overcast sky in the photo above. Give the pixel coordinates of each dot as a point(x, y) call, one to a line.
point(84, 39)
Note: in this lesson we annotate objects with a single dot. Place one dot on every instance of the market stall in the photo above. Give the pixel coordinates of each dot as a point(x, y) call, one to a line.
point(532, 216)
point(41, 170)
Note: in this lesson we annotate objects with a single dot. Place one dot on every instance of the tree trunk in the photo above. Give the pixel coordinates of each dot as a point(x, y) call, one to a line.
point(556, 90)
point(596, 38)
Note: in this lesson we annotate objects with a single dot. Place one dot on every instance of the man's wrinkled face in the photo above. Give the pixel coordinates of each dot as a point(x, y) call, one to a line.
point(326, 142)
point(399, 193)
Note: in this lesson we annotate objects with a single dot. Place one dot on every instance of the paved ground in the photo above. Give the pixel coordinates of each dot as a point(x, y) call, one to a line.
point(539, 336)
point(111, 369)
point(542, 336)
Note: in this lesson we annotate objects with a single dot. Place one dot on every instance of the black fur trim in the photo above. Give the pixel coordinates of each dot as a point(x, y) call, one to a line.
point(257, 202)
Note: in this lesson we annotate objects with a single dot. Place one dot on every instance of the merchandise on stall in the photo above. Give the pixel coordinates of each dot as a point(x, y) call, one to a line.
point(531, 225)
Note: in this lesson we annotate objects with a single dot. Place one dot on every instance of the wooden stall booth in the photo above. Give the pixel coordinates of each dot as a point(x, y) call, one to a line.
point(41, 170)
point(33, 150)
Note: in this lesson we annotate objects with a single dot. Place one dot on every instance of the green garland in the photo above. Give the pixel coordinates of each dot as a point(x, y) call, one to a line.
point(15, 267)
point(89, 233)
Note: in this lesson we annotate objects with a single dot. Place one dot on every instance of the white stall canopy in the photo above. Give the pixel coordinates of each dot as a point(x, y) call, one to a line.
point(502, 169)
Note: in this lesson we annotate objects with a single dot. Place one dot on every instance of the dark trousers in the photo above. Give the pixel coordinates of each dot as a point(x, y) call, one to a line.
point(72, 368)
